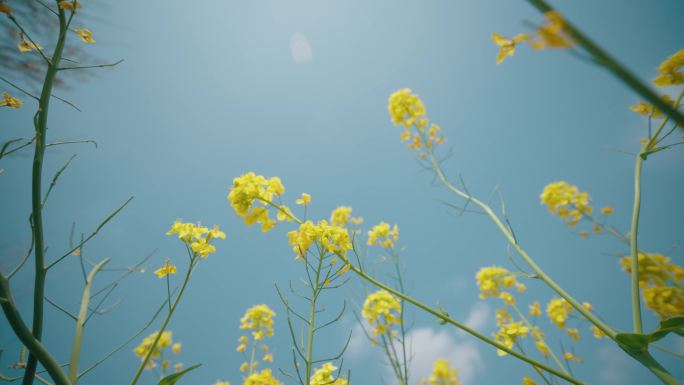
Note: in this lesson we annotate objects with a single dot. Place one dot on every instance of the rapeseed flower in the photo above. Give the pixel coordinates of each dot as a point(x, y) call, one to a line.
point(166, 269)
point(324, 376)
point(28, 46)
point(506, 45)
point(265, 377)
point(566, 201)
point(558, 310)
point(670, 73)
point(85, 35)
point(384, 236)
point(535, 309)
point(654, 269)
point(509, 333)
point(382, 310)
point(69, 5)
point(493, 280)
point(407, 110)
point(197, 237)
point(340, 216)
point(442, 374)
point(9, 101)
point(145, 347)
point(249, 192)
point(259, 319)
point(553, 33)
point(332, 239)
point(665, 301)
point(304, 200)
point(528, 381)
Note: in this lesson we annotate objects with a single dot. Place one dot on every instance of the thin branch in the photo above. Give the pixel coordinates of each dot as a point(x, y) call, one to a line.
point(91, 66)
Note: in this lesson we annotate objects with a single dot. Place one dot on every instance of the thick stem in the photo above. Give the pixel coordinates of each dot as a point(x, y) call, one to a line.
point(26, 337)
point(36, 197)
point(612, 65)
point(315, 290)
point(633, 247)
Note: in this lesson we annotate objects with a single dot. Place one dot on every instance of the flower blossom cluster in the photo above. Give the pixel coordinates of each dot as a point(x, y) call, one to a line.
point(566, 201)
point(382, 310)
point(442, 374)
point(407, 110)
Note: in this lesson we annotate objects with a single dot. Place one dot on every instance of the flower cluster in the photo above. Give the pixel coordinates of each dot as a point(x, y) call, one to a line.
point(265, 377)
point(332, 238)
point(442, 374)
point(558, 310)
point(493, 280)
point(552, 33)
point(650, 110)
point(9, 101)
point(324, 376)
point(566, 201)
point(670, 71)
point(382, 310)
point(259, 319)
point(165, 340)
point(197, 237)
point(251, 197)
point(406, 109)
point(384, 236)
point(661, 281)
point(509, 333)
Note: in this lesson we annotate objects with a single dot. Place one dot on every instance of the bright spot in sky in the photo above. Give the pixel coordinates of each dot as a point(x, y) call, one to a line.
point(300, 48)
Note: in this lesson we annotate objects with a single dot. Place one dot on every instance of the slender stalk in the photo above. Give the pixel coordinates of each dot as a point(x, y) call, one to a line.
point(459, 325)
point(511, 239)
point(315, 290)
point(529, 325)
point(36, 196)
point(612, 65)
point(143, 363)
point(634, 249)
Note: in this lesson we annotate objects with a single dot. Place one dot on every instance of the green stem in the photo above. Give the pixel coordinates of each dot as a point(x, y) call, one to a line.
point(511, 239)
point(529, 325)
point(633, 247)
point(166, 320)
point(459, 325)
point(34, 346)
point(36, 197)
point(607, 61)
point(312, 320)
point(404, 380)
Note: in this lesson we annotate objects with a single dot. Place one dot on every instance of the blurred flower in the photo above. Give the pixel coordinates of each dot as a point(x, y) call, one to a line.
point(384, 236)
point(507, 46)
point(382, 310)
point(558, 310)
point(670, 73)
point(69, 5)
point(259, 319)
point(304, 200)
point(553, 33)
point(442, 374)
point(265, 377)
point(509, 333)
point(324, 376)
point(9, 101)
point(165, 270)
point(85, 35)
point(566, 201)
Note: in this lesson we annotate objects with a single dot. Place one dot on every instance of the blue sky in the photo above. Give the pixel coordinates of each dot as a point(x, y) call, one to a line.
point(209, 90)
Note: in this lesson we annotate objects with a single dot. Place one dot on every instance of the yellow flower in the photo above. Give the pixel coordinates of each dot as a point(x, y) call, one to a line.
point(382, 310)
point(4, 8)
point(85, 35)
point(340, 216)
point(176, 348)
point(571, 357)
point(607, 210)
point(502, 316)
point(405, 107)
point(166, 364)
point(509, 333)
point(265, 377)
point(666, 301)
point(259, 319)
point(573, 333)
point(165, 270)
point(535, 309)
point(27, 46)
point(268, 357)
point(356, 221)
point(324, 376)
point(558, 310)
point(251, 197)
point(442, 374)
point(178, 367)
point(507, 46)
point(493, 279)
point(654, 269)
point(221, 382)
point(566, 201)
point(587, 306)
point(197, 236)
point(528, 381)
point(145, 347)
point(9, 101)
point(244, 367)
point(597, 332)
point(332, 239)
point(649, 109)
point(241, 348)
point(69, 5)
point(670, 73)
point(553, 33)
point(243, 339)
point(384, 236)
point(304, 200)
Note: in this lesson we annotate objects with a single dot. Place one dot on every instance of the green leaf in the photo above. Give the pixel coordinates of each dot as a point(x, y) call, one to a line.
point(173, 378)
point(674, 325)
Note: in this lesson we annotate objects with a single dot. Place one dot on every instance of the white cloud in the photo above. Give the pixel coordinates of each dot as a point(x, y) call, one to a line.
point(428, 345)
point(358, 344)
point(300, 48)
point(478, 317)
